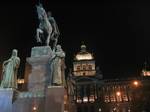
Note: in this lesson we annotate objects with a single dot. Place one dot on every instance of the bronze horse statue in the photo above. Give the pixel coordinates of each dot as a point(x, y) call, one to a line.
point(44, 25)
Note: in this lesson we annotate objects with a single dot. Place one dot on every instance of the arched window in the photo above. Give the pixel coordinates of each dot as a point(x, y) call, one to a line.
point(90, 67)
point(78, 68)
point(84, 67)
point(84, 74)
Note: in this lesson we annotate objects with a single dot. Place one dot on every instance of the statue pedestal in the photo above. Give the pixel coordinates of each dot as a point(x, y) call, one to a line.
point(27, 101)
point(39, 75)
point(54, 101)
point(6, 99)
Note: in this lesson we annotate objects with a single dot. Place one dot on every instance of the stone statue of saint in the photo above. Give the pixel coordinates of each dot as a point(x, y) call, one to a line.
point(58, 67)
point(10, 68)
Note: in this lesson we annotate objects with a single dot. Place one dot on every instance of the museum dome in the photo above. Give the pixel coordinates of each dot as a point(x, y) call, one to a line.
point(83, 54)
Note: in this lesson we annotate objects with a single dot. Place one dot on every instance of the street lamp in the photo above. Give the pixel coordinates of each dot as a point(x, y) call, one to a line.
point(34, 108)
point(99, 109)
point(136, 94)
point(135, 83)
point(118, 98)
point(118, 93)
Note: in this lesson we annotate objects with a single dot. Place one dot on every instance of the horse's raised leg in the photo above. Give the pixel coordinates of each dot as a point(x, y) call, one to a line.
point(38, 31)
point(48, 39)
point(55, 43)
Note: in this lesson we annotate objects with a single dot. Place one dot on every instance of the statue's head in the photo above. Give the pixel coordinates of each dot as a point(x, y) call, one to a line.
point(14, 52)
point(58, 48)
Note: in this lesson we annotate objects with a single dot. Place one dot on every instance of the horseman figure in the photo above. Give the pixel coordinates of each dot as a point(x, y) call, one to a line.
point(46, 24)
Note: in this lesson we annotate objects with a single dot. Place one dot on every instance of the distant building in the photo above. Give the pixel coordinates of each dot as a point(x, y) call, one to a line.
point(146, 70)
point(89, 92)
point(145, 73)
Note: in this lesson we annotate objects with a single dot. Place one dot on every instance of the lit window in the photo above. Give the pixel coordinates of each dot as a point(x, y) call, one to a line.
point(125, 98)
point(85, 99)
point(91, 98)
point(78, 68)
point(106, 99)
point(79, 100)
point(90, 67)
point(84, 56)
point(84, 67)
point(146, 73)
point(112, 98)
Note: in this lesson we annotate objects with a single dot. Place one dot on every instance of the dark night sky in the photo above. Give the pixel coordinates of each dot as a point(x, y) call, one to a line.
point(117, 33)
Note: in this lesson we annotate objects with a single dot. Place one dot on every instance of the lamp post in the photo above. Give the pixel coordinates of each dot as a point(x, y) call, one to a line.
point(136, 95)
point(118, 96)
point(136, 83)
point(118, 93)
point(34, 108)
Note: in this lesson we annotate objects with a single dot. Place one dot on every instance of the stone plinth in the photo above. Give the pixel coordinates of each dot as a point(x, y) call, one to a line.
point(54, 101)
point(41, 51)
point(29, 102)
point(39, 75)
point(6, 99)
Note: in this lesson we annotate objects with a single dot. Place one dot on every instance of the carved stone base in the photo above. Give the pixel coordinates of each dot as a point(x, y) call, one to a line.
point(29, 102)
point(41, 51)
point(39, 75)
point(54, 99)
point(6, 99)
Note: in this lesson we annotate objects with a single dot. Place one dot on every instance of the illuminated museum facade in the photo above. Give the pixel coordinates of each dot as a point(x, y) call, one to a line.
point(89, 92)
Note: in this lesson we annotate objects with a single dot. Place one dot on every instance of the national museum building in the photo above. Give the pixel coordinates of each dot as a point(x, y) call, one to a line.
point(86, 91)
point(89, 92)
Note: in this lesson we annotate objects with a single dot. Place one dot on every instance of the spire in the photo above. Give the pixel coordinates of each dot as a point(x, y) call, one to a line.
point(83, 47)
